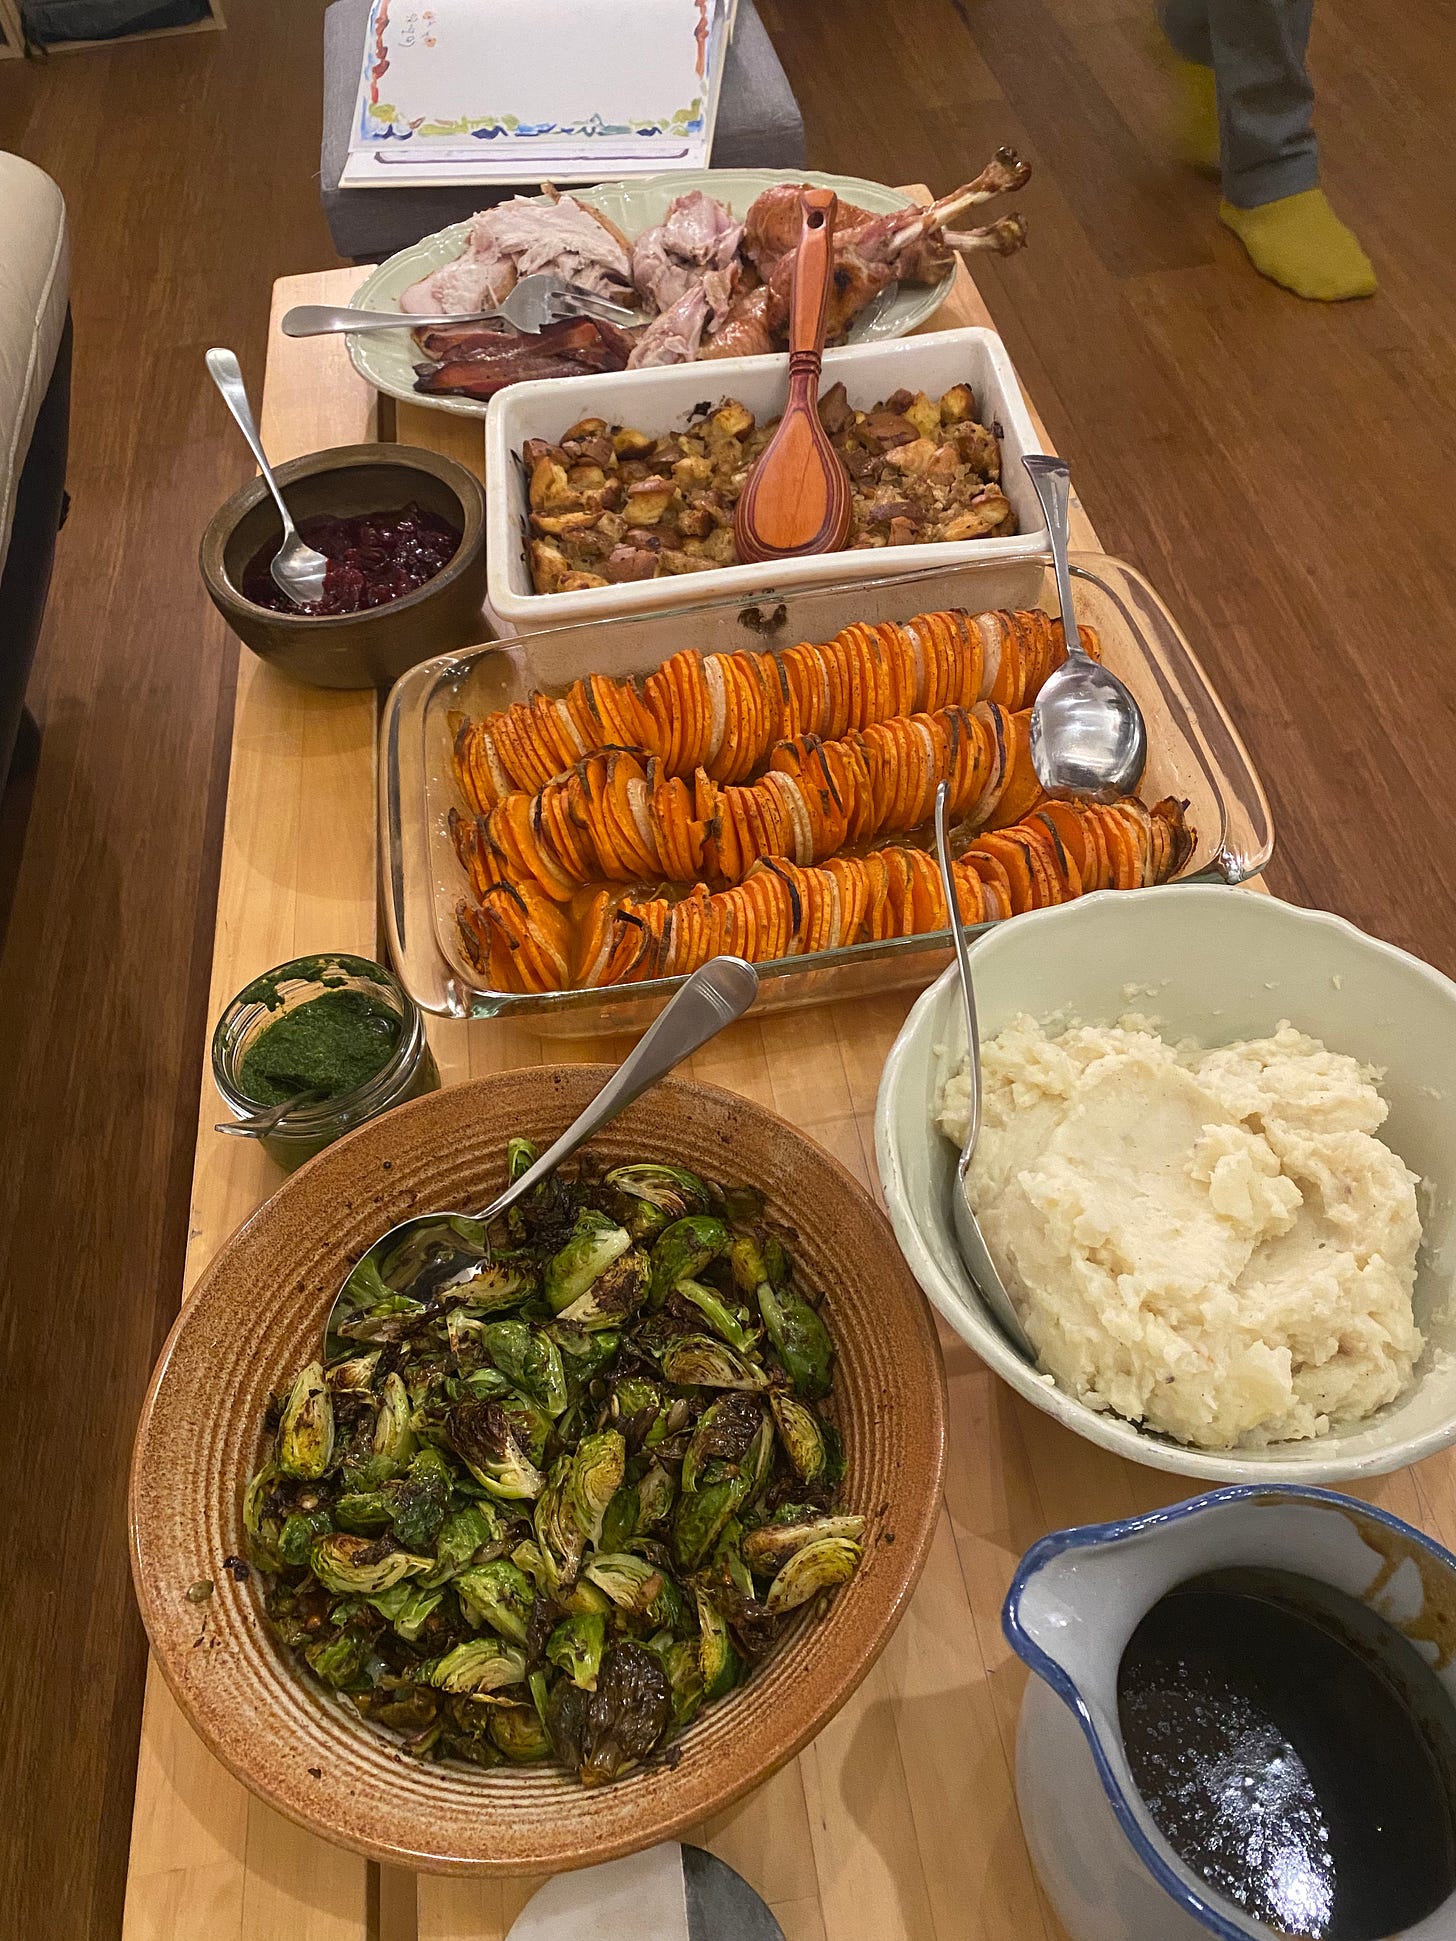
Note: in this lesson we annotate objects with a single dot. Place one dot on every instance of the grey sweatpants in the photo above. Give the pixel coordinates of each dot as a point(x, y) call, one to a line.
point(1265, 102)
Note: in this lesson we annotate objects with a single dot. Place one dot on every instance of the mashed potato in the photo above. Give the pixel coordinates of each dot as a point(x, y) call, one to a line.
point(1212, 1243)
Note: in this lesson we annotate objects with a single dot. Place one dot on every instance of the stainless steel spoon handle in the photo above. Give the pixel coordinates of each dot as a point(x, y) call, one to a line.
point(963, 963)
point(223, 368)
point(1052, 478)
point(716, 993)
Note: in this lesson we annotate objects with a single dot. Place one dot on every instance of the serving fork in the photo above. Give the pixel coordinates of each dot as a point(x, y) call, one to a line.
point(534, 302)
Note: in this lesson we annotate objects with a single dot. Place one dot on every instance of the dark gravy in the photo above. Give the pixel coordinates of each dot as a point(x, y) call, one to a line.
point(1296, 1751)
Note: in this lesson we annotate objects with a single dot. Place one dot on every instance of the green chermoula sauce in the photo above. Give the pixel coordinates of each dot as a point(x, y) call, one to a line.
point(332, 1044)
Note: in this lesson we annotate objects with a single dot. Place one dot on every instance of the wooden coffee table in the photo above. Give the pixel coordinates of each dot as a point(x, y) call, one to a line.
point(899, 1822)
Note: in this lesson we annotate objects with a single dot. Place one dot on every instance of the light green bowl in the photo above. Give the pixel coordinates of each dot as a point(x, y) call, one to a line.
point(1211, 964)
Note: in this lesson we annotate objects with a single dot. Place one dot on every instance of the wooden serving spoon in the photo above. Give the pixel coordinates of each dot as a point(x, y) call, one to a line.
point(796, 500)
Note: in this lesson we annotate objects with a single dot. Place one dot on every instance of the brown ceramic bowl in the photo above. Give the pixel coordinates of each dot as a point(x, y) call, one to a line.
point(353, 649)
point(258, 1315)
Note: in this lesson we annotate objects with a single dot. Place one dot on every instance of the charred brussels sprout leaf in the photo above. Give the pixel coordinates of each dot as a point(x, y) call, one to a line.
point(801, 1340)
point(615, 1294)
point(700, 1361)
point(626, 1715)
point(481, 1435)
point(420, 1497)
point(529, 1359)
point(519, 1733)
point(463, 1533)
point(701, 1517)
point(338, 1660)
point(596, 1475)
point(719, 1316)
point(498, 1594)
point(819, 1566)
point(393, 1436)
point(358, 1373)
point(566, 1713)
point(619, 1525)
point(480, 1665)
point(361, 1566)
point(306, 1428)
point(595, 1243)
point(684, 1249)
point(407, 1606)
point(576, 1646)
point(671, 1189)
point(726, 1431)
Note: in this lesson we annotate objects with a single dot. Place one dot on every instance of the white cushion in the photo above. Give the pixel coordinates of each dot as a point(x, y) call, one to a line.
point(34, 287)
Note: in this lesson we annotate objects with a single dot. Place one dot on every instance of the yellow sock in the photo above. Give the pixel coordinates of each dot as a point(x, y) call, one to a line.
point(1300, 242)
point(1196, 127)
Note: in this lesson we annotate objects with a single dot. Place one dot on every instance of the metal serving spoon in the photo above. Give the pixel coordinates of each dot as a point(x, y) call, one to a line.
point(259, 1124)
point(1088, 737)
point(534, 302)
point(715, 995)
point(297, 569)
point(974, 1251)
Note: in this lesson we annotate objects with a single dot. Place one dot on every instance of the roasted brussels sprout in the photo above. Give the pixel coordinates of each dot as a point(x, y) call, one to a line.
point(595, 1243)
point(479, 1665)
point(306, 1427)
point(684, 1249)
point(393, 1435)
point(481, 1435)
point(595, 1477)
point(699, 1361)
point(497, 1594)
point(576, 1646)
point(566, 1490)
point(801, 1340)
point(817, 1567)
point(361, 1565)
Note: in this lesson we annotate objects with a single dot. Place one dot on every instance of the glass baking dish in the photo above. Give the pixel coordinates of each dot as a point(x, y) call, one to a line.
point(1195, 753)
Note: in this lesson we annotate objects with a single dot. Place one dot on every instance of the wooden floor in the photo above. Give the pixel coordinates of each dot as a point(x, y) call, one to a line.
point(1280, 470)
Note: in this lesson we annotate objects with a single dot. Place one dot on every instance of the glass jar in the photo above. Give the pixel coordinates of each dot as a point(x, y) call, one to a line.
point(407, 1073)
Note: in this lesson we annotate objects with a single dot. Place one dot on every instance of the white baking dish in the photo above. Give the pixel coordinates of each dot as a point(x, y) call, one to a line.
point(662, 400)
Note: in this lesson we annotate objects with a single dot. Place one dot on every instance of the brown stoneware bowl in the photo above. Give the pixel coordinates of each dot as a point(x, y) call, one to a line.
point(257, 1316)
point(374, 648)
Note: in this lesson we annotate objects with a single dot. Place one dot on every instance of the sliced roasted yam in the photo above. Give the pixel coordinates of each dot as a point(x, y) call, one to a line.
point(1022, 791)
point(1169, 814)
point(1017, 866)
point(853, 890)
point(1072, 831)
point(1063, 863)
point(1136, 820)
point(1122, 850)
point(992, 718)
point(927, 896)
point(593, 930)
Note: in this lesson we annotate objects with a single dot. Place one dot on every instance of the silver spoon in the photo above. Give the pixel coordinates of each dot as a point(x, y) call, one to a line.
point(1088, 737)
point(716, 993)
point(974, 1251)
point(297, 569)
point(258, 1125)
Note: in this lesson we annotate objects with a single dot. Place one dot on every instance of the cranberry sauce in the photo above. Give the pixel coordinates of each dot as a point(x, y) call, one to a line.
point(374, 557)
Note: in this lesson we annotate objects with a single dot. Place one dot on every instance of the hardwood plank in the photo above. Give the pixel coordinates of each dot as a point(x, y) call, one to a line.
point(104, 973)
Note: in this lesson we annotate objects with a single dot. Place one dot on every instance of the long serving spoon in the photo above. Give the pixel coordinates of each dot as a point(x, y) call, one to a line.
point(1088, 737)
point(715, 995)
point(796, 500)
point(296, 568)
point(974, 1251)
